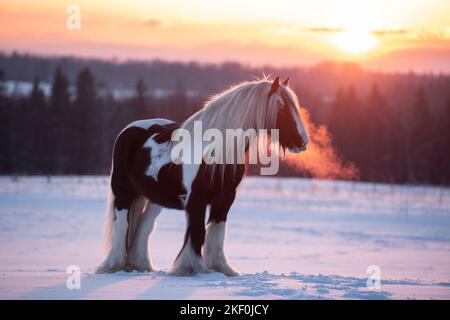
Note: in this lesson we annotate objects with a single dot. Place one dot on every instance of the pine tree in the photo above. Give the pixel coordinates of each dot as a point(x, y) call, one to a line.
point(336, 120)
point(141, 93)
point(86, 123)
point(179, 102)
point(59, 129)
point(33, 135)
point(37, 97)
point(2, 85)
point(140, 101)
point(85, 89)
point(375, 133)
point(440, 158)
point(345, 124)
point(419, 137)
point(60, 91)
point(5, 128)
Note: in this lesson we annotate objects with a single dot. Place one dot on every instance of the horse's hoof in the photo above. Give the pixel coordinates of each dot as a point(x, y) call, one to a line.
point(232, 273)
point(226, 270)
point(189, 270)
point(141, 267)
point(104, 268)
point(181, 273)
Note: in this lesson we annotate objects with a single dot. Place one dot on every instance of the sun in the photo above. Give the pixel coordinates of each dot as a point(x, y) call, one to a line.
point(355, 41)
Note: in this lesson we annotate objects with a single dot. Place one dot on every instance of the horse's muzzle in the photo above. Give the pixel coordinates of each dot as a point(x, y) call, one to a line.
point(297, 149)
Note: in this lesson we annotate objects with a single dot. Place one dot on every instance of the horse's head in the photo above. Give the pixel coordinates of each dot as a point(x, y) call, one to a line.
point(292, 133)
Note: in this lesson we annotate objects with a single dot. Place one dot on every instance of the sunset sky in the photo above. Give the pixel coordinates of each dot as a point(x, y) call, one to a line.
point(383, 34)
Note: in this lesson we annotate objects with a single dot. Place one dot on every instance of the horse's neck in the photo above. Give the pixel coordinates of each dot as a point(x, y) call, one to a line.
point(189, 123)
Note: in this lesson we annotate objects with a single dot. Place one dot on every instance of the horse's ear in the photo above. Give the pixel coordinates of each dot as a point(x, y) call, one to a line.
point(286, 82)
point(275, 86)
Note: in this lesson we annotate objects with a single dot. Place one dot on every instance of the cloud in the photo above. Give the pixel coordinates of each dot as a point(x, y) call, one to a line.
point(324, 29)
point(153, 22)
point(321, 160)
point(388, 32)
point(377, 32)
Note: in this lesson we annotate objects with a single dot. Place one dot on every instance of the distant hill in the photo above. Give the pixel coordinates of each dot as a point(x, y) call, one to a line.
point(323, 79)
point(204, 78)
point(423, 60)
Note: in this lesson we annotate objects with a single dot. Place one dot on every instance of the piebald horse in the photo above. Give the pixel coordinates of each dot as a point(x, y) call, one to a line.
point(144, 179)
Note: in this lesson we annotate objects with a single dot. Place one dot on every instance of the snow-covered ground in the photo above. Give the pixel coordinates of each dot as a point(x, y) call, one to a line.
point(290, 238)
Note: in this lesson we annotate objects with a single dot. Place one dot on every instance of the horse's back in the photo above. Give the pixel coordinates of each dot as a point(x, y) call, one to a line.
point(134, 162)
point(147, 123)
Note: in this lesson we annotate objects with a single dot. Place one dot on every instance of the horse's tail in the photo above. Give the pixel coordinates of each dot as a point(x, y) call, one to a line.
point(110, 217)
point(134, 219)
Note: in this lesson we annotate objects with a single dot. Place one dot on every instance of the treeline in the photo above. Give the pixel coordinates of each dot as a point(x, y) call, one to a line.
point(74, 135)
point(390, 143)
point(393, 127)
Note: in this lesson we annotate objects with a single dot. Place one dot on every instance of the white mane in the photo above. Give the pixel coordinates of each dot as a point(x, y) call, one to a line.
point(244, 106)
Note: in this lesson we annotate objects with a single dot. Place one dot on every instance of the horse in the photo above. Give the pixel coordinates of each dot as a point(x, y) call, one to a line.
point(145, 179)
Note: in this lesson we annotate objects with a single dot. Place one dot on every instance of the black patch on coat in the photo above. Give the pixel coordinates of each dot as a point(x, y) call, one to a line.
point(213, 186)
point(131, 160)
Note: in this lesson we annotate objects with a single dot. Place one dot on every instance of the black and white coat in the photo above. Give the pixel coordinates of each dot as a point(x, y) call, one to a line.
point(144, 179)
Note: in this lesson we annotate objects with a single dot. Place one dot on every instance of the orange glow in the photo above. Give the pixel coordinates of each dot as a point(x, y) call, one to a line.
point(292, 32)
point(320, 159)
